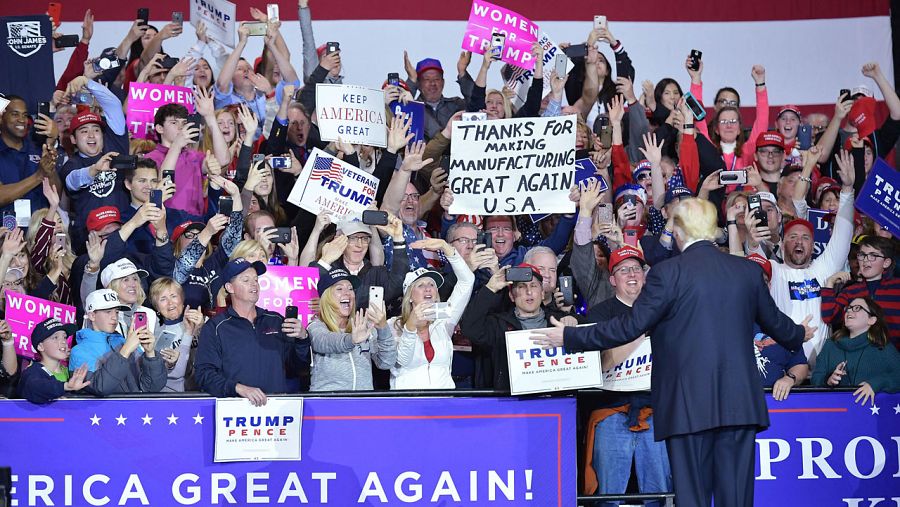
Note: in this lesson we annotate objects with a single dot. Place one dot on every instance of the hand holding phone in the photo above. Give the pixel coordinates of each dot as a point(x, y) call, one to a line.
point(290, 312)
point(140, 320)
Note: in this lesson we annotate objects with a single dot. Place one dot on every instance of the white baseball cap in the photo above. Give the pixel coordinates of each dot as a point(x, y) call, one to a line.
point(412, 276)
point(350, 227)
point(119, 269)
point(104, 299)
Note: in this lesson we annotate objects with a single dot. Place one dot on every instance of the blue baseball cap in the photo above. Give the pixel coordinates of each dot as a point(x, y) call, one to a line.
point(429, 64)
point(334, 276)
point(47, 328)
point(238, 266)
point(677, 193)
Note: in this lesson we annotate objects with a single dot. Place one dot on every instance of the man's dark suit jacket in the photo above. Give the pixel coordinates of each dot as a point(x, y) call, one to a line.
point(700, 306)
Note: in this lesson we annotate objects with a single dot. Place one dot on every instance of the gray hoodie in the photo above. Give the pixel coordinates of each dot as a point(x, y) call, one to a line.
point(338, 364)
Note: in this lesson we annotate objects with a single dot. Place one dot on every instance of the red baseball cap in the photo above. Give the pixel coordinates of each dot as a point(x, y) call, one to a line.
point(103, 216)
point(790, 108)
point(862, 116)
point(83, 119)
point(799, 221)
point(183, 228)
point(763, 262)
point(624, 253)
point(771, 138)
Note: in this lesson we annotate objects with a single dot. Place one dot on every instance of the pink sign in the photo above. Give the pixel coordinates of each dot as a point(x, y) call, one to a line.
point(24, 312)
point(282, 286)
point(485, 19)
point(145, 98)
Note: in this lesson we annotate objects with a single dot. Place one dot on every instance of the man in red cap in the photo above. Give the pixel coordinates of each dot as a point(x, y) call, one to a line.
point(769, 158)
point(427, 77)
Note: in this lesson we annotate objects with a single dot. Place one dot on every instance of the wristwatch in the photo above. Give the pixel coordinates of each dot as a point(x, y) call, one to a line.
point(791, 375)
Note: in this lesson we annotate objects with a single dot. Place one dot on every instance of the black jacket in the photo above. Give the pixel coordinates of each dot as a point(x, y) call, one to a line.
point(701, 305)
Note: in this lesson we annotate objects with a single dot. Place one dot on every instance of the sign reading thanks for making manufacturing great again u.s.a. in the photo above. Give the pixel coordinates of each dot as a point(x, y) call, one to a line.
point(513, 167)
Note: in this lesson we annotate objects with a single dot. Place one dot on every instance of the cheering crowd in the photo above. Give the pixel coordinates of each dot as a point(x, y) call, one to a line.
point(161, 254)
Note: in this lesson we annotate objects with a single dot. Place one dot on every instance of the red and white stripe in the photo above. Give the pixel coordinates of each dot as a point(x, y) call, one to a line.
point(810, 49)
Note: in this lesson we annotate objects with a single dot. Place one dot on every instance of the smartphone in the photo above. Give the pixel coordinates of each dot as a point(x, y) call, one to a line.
point(9, 220)
point(143, 14)
point(283, 234)
point(226, 205)
point(66, 41)
point(738, 177)
point(519, 275)
point(374, 217)
point(280, 162)
point(804, 137)
point(440, 311)
point(376, 295)
point(166, 340)
point(576, 51)
point(695, 105)
point(140, 320)
point(256, 28)
point(168, 62)
point(54, 10)
point(845, 94)
point(599, 21)
point(474, 116)
point(258, 157)
point(123, 162)
point(629, 200)
point(156, 196)
point(487, 240)
point(605, 213)
point(169, 174)
point(195, 121)
point(561, 62)
point(393, 79)
point(272, 12)
point(102, 64)
point(290, 312)
point(332, 47)
point(565, 286)
point(754, 204)
point(605, 132)
point(497, 41)
point(630, 236)
point(59, 240)
point(695, 57)
point(44, 109)
point(178, 18)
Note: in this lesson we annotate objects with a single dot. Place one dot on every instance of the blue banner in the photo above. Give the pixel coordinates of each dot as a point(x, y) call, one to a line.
point(880, 196)
point(441, 451)
point(823, 449)
point(822, 221)
point(416, 111)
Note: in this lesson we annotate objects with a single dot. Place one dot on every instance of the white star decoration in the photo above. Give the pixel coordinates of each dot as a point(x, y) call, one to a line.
point(172, 419)
point(95, 421)
point(120, 421)
point(146, 419)
point(198, 419)
point(874, 409)
point(897, 408)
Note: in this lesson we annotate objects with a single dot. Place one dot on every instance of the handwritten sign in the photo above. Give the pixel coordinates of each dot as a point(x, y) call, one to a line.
point(24, 312)
point(486, 19)
point(218, 16)
point(327, 183)
point(352, 113)
point(880, 197)
point(145, 98)
point(282, 286)
point(520, 79)
point(536, 370)
point(513, 167)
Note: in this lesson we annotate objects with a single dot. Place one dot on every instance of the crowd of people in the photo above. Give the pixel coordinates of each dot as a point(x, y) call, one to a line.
point(167, 296)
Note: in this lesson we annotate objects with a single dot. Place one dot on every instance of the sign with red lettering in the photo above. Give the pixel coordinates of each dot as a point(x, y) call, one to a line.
point(352, 113)
point(536, 370)
point(633, 373)
point(267, 433)
point(328, 183)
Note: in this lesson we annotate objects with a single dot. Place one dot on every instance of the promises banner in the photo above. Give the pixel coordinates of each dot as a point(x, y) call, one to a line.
point(386, 451)
point(24, 312)
point(486, 19)
point(352, 113)
point(513, 166)
point(282, 286)
point(328, 183)
point(145, 98)
point(536, 370)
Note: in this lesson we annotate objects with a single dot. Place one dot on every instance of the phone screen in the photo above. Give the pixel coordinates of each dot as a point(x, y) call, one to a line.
point(140, 320)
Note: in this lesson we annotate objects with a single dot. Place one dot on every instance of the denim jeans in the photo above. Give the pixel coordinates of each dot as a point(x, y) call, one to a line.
point(614, 446)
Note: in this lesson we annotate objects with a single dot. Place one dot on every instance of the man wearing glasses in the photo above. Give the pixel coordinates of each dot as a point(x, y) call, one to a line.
point(876, 257)
point(770, 159)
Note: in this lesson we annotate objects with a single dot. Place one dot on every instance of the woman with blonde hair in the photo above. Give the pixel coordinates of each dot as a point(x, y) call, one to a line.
point(345, 341)
point(124, 278)
point(424, 331)
point(50, 251)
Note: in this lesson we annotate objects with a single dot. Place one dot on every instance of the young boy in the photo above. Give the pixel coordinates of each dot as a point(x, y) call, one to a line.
point(47, 380)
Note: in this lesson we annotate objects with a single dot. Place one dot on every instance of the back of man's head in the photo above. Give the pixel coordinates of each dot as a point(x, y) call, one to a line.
point(695, 219)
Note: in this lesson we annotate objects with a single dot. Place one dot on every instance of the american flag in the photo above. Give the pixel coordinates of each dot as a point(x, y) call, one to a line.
point(326, 167)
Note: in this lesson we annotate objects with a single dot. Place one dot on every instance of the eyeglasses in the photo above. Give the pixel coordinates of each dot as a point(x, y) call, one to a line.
point(628, 271)
point(191, 234)
point(728, 122)
point(644, 176)
point(466, 241)
point(858, 308)
point(362, 239)
point(414, 197)
point(728, 102)
point(862, 256)
point(770, 153)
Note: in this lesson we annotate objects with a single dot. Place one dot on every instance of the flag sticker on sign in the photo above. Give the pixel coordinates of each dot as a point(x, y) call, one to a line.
point(326, 167)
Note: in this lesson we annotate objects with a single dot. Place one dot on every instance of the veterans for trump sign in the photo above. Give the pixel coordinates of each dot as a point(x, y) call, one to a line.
point(145, 98)
point(513, 167)
point(329, 184)
point(536, 370)
point(352, 113)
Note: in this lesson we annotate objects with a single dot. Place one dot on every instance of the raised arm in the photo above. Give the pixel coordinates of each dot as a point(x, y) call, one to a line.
point(223, 84)
point(873, 71)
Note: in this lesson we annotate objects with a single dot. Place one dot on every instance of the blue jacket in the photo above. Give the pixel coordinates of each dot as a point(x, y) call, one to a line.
point(109, 372)
point(38, 385)
point(234, 350)
point(91, 346)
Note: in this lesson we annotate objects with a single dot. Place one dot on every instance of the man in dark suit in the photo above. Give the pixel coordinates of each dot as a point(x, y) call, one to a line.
point(707, 396)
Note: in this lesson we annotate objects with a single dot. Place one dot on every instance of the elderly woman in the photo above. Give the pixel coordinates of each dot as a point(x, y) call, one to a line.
point(345, 341)
point(178, 332)
point(424, 336)
point(860, 354)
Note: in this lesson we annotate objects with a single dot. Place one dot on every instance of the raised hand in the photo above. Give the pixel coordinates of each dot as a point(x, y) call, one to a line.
point(758, 72)
point(410, 68)
point(334, 249)
point(398, 134)
point(651, 150)
point(846, 170)
point(77, 382)
point(413, 160)
point(361, 327)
